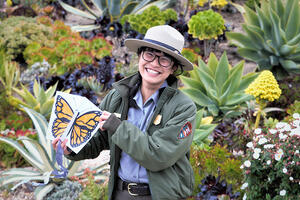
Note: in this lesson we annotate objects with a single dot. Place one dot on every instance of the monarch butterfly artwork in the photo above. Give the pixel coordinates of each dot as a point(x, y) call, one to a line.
point(78, 127)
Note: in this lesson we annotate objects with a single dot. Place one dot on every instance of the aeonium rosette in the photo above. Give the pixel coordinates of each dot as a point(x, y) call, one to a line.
point(272, 164)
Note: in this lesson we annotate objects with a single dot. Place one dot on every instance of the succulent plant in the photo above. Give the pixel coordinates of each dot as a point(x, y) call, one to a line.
point(272, 37)
point(40, 154)
point(67, 190)
point(206, 25)
point(218, 87)
point(67, 50)
point(213, 188)
point(36, 70)
point(114, 10)
point(203, 129)
point(17, 33)
point(152, 16)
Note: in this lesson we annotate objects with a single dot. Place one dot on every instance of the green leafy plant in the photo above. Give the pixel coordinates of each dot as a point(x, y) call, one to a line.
point(206, 25)
point(17, 33)
point(202, 130)
point(290, 87)
point(113, 9)
point(67, 50)
point(190, 54)
point(92, 188)
point(272, 37)
point(218, 87)
point(40, 155)
point(93, 84)
point(294, 108)
point(271, 165)
point(152, 16)
point(41, 100)
point(216, 161)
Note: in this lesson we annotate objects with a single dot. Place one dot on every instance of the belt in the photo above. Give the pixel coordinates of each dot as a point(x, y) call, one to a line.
point(134, 189)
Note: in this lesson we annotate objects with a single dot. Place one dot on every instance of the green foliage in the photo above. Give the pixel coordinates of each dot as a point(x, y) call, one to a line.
point(206, 25)
point(251, 3)
point(190, 54)
point(218, 87)
point(67, 190)
point(40, 154)
point(294, 108)
point(115, 10)
point(67, 50)
point(272, 37)
point(91, 83)
point(9, 157)
point(41, 100)
point(272, 162)
point(203, 129)
point(93, 190)
point(13, 126)
point(290, 87)
point(16, 33)
point(216, 161)
point(150, 17)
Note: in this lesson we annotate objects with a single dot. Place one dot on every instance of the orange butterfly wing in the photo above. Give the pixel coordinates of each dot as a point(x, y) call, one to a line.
point(64, 114)
point(83, 127)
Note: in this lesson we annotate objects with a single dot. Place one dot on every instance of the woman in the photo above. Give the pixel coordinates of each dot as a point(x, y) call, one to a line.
point(149, 144)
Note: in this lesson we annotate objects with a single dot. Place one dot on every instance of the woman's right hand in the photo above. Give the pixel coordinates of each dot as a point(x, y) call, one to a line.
point(63, 145)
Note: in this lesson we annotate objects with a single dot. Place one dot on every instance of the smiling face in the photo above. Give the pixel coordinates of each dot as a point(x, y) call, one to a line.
point(153, 74)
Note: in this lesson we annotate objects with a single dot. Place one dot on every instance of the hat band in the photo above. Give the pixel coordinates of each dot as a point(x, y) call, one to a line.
point(162, 44)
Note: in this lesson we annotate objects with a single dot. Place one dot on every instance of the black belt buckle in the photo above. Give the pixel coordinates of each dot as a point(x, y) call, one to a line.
point(129, 187)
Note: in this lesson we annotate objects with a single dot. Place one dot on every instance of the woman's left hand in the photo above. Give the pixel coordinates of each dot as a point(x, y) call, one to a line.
point(105, 115)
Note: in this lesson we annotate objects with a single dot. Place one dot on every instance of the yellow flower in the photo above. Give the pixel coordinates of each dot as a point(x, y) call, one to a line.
point(219, 3)
point(9, 3)
point(264, 87)
point(202, 2)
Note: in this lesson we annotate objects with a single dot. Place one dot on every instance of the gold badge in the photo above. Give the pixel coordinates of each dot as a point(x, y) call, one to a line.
point(157, 120)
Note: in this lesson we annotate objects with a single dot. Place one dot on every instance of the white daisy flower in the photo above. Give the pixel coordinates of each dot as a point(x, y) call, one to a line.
point(247, 163)
point(282, 192)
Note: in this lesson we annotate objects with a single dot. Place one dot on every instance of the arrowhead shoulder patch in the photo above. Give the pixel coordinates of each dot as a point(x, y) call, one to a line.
point(185, 130)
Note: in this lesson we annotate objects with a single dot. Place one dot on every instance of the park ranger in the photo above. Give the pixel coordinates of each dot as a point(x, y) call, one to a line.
point(147, 124)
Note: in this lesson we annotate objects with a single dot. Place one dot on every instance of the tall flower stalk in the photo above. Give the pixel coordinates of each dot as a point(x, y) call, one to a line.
point(265, 89)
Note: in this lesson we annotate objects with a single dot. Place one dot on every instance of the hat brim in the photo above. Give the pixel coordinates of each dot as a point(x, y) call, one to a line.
point(135, 44)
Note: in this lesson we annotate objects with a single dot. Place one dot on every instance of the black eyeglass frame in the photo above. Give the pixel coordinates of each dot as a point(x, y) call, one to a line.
point(150, 50)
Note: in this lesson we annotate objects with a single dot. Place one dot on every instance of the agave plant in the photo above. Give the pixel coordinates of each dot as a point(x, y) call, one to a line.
point(272, 37)
point(41, 156)
point(218, 87)
point(203, 129)
point(41, 100)
point(114, 9)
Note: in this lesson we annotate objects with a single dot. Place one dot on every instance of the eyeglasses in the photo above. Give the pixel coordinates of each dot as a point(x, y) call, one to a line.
point(164, 61)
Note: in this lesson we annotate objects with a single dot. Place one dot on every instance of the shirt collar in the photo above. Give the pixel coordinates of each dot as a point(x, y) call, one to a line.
point(139, 99)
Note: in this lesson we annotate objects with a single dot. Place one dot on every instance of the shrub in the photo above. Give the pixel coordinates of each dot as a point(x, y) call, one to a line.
point(216, 161)
point(150, 17)
point(206, 25)
point(16, 33)
point(67, 50)
point(14, 126)
point(272, 163)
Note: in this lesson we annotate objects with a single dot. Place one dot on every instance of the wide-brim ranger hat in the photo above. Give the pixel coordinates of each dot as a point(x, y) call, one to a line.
point(164, 38)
